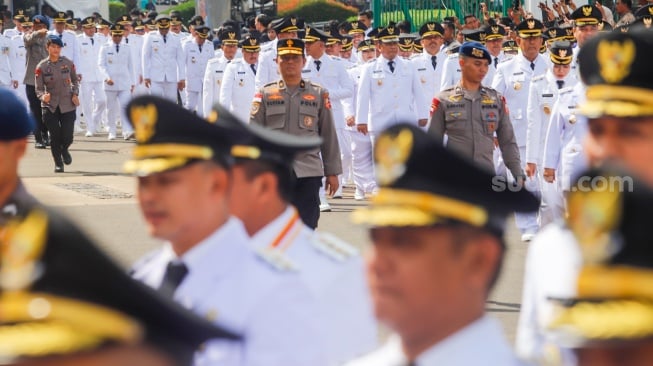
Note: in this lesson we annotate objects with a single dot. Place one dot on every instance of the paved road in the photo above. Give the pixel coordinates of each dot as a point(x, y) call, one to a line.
point(95, 194)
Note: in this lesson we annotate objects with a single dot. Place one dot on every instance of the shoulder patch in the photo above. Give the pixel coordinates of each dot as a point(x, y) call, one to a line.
point(276, 259)
point(333, 247)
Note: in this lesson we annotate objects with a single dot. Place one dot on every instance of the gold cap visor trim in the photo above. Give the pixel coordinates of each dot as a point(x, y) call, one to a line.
point(585, 21)
point(617, 101)
point(595, 322)
point(530, 33)
point(42, 324)
point(397, 207)
point(561, 60)
point(389, 39)
point(288, 29)
point(145, 167)
point(290, 51)
point(600, 282)
point(251, 49)
point(431, 33)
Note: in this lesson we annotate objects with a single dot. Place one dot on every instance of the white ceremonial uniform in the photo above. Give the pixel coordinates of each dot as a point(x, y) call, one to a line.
point(135, 42)
point(238, 89)
point(361, 145)
point(335, 274)
point(227, 282)
point(512, 80)
point(480, 343)
point(11, 32)
point(93, 98)
point(430, 78)
point(163, 63)
point(196, 59)
point(268, 70)
point(6, 77)
point(386, 98)
point(451, 72)
point(116, 64)
point(493, 67)
point(551, 268)
point(334, 77)
point(69, 49)
point(18, 66)
point(543, 95)
point(563, 150)
point(212, 83)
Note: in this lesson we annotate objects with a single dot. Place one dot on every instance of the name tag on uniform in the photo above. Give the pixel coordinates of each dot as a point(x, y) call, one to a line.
point(241, 73)
point(547, 95)
point(422, 69)
point(305, 71)
point(219, 71)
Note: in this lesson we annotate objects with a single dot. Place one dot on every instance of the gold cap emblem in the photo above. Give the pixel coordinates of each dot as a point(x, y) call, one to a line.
point(477, 52)
point(430, 26)
point(391, 154)
point(530, 23)
point(391, 30)
point(553, 33)
point(289, 43)
point(615, 59)
point(354, 25)
point(562, 53)
point(232, 35)
point(144, 119)
point(252, 41)
point(293, 21)
point(495, 29)
point(587, 10)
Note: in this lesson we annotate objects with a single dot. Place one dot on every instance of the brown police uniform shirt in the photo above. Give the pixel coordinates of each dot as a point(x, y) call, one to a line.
point(35, 53)
point(304, 111)
point(470, 119)
point(60, 80)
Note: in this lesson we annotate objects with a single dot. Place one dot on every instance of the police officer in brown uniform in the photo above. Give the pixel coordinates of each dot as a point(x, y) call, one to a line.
point(57, 87)
point(301, 108)
point(470, 114)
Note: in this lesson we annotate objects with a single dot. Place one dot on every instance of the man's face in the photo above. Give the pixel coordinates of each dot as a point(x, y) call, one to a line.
point(625, 140)
point(89, 32)
point(200, 41)
point(621, 7)
point(59, 27)
point(286, 35)
point(229, 51)
point(473, 69)
point(357, 38)
point(314, 49)
point(174, 202)
point(164, 31)
point(11, 152)
point(472, 23)
point(116, 38)
point(368, 54)
point(259, 27)
point(389, 50)
point(584, 33)
point(242, 188)
point(494, 46)
point(530, 47)
point(448, 33)
point(418, 277)
point(432, 44)
point(367, 21)
point(54, 50)
point(175, 28)
point(290, 66)
point(345, 54)
point(561, 71)
point(334, 49)
point(250, 57)
point(272, 34)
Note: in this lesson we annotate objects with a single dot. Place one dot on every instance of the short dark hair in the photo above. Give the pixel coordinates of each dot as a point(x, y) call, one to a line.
point(283, 173)
point(264, 19)
point(367, 13)
point(628, 3)
point(449, 25)
point(404, 26)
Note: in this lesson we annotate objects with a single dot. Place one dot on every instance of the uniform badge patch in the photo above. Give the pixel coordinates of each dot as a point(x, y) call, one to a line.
point(308, 97)
point(517, 86)
point(546, 109)
point(435, 104)
point(258, 98)
point(455, 98)
point(255, 107)
point(327, 101)
point(491, 127)
point(275, 97)
point(308, 121)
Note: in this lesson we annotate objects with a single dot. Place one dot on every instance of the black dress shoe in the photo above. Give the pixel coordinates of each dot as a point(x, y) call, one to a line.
point(67, 159)
point(58, 168)
point(39, 145)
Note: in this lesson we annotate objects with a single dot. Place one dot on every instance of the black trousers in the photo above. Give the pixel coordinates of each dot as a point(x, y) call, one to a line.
point(306, 198)
point(61, 127)
point(40, 129)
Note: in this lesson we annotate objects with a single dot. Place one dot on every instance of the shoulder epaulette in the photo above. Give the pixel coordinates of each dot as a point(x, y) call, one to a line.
point(453, 55)
point(276, 259)
point(565, 90)
point(333, 247)
point(539, 77)
point(274, 83)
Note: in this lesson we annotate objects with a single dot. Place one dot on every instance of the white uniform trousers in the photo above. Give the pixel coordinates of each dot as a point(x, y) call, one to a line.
point(552, 207)
point(362, 164)
point(165, 89)
point(527, 222)
point(344, 140)
point(93, 102)
point(140, 89)
point(117, 103)
point(21, 94)
point(191, 99)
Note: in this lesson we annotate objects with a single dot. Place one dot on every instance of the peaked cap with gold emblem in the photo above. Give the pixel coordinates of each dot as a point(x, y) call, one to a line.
point(615, 67)
point(494, 31)
point(61, 295)
point(313, 34)
point(413, 191)
point(431, 29)
point(124, 20)
point(170, 137)
point(586, 15)
point(228, 35)
point(290, 46)
point(389, 34)
point(614, 286)
point(354, 27)
point(202, 31)
point(347, 42)
point(117, 29)
point(162, 21)
point(250, 44)
point(288, 24)
point(530, 28)
point(60, 17)
point(561, 53)
point(88, 22)
point(406, 42)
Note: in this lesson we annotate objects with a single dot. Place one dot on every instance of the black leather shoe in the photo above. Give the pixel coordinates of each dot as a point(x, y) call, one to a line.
point(39, 145)
point(46, 140)
point(58, 168)
point(67, 159)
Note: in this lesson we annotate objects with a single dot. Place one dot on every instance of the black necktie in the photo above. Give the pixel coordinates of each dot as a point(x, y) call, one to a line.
point(175, 273)
point(318, 63)
point(391, 65)
point(434, 61)
point(253, 67)
point(117, 48)
point(126, 40)
point(92, 42)
point(200, 47)
point(532, 66)
point(496, 62)
point(165, 40)
point(560, 83)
